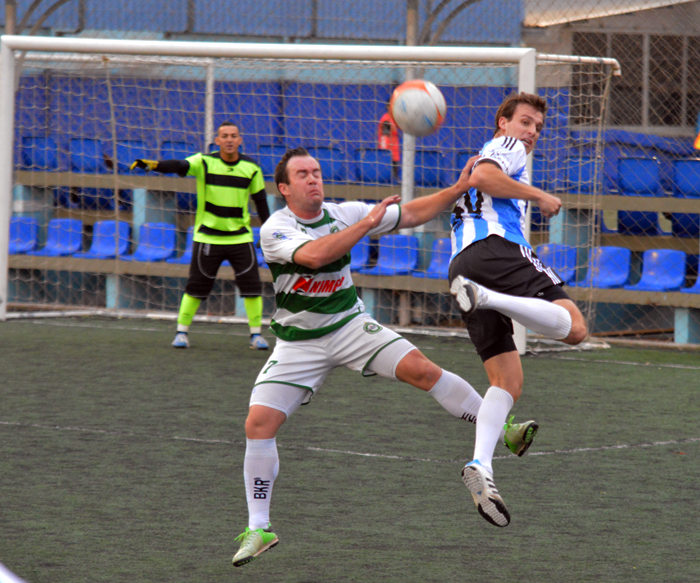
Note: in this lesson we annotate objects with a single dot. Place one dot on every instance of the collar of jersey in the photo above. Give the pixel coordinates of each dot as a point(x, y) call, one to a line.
point(218, 155)
point(317, 221)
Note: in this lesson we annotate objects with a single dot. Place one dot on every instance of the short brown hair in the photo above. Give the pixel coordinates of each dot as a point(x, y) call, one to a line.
point(226, 124)
point(281, 174)
point(510, 103)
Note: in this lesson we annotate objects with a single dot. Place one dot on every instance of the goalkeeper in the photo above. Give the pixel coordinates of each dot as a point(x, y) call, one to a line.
point(226, 180)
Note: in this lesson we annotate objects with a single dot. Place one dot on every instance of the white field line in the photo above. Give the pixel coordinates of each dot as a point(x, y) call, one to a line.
point(232, 332)
point(346, 452)
point(651, 364)
point(141, 329)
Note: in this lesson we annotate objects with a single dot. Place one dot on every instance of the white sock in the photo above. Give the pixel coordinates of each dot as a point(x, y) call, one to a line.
point(260, 468)
point(457, 396)
point(489, 426)
point(540, 316)
point(183, 328)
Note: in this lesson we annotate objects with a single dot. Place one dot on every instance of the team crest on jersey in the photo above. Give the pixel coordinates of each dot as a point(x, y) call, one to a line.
point(334, 229)
point(371, 327)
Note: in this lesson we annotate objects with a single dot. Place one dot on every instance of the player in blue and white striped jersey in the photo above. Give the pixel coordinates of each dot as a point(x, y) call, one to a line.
point(492, 258)
point(478, 215)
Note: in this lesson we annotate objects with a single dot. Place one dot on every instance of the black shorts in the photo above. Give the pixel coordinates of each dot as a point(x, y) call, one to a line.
point(206, 260)
point(509, 268)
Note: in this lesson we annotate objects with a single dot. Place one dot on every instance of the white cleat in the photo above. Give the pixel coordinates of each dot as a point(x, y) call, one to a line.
point(467, 293)
point(181, 340)
point(257, 342)
point(486, 497)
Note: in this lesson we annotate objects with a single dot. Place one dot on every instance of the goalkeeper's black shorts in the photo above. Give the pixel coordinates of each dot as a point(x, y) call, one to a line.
point(206, 260)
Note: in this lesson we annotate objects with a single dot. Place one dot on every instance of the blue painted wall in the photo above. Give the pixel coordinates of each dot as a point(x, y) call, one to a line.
point(494, 22)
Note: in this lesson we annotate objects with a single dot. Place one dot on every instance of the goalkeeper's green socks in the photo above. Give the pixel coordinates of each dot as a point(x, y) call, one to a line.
point(254, 310)
point(188, 308)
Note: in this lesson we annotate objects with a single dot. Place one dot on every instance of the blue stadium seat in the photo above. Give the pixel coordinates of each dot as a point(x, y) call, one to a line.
point(432, 169)
point(156, 243)
point(172, 150)
point(462, 159)
point(549, 172)
point(268, 157)
point(608, 267)
point(65, 237)
point(130, 150)
point(439, 260)
point(256, 106)
point(662, 270)
point(80, 107)
point(38, 153)
point(186, 257)
point(181, 110)
point(86, 157)
point(332, 161)
point(580, 179)
point(325, 114)
point(686, 184)
point(639, 177)
point(398, 255)
point(694, 289)
point(540, 175)
point(373, 166)
point(360, 254)
point(561, 258)
point(580, 175)
point(23, 234)
point(258, 250)
point(108, 240)
point(186, 201)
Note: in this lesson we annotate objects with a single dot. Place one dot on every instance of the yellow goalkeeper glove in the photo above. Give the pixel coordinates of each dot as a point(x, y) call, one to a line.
point(146, 165)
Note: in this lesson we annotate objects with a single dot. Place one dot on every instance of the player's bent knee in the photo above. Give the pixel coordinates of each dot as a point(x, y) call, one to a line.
point(417, 370)
point(263, 422)
point(578, 333)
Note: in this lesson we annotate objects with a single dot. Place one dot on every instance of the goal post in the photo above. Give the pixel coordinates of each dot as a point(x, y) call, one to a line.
point(96, 98)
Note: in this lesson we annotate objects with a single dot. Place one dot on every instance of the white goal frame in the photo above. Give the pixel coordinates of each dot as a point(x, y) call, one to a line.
point(524, 58)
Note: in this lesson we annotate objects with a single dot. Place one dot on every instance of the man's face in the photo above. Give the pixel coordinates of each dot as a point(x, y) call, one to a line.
point(525, 125)
point(304, 193)
point(229, 140)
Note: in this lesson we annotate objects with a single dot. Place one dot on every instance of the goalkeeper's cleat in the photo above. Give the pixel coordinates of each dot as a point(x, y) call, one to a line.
point(181, 340)
point(253, 544)
point(468, 294)
point(486, 497)
point(257, 342)
point(146, 165)
point(519, 436)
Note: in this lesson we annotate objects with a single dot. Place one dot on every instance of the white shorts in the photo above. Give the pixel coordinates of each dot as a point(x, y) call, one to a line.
point(296, 370)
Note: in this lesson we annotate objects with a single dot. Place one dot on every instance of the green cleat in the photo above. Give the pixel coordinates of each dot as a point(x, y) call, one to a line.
point(519, 436)
point(253, 543)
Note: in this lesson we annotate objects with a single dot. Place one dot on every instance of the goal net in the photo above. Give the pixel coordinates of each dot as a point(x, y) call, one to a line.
point(86, 232)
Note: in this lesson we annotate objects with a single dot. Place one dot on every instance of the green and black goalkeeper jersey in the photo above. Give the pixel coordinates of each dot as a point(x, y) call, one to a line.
point(223, 191)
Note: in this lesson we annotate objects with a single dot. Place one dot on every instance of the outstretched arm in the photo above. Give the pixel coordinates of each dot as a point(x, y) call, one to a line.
point(421, 210)
point(316, 254)
point(180, 167)
point(490, 179)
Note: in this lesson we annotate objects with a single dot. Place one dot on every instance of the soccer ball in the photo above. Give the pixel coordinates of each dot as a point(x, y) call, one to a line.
point(418, 107)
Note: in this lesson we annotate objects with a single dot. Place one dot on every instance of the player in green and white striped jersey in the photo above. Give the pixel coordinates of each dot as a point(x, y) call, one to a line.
point(320, 322)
